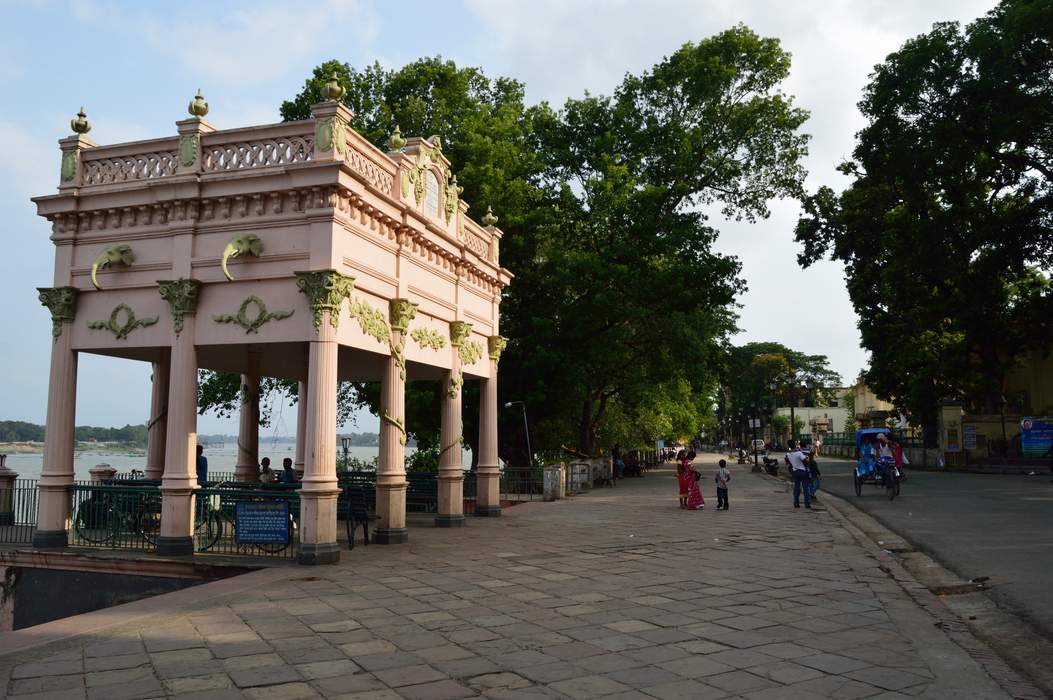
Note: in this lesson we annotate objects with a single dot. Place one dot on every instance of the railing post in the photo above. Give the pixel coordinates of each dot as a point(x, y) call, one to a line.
point(101, 473)
point(71, 171)
point(331, 119)
point(7, 493)
point(191, 154)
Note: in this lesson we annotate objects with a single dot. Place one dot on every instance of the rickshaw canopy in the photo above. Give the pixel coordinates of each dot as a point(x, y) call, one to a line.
point(860, 434)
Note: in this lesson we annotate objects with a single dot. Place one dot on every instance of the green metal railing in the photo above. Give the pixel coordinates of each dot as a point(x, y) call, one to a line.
point(18, 511)
point(115, 517)
point(522, 484)
point(260, 522)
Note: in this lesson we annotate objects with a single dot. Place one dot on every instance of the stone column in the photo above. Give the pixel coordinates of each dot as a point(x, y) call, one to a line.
point(301, 427)
point(451, 465)
point(488, 472)
point(391, 465)
point(247, 468)
point(57, 473)
point(158, 428)
point(180, 475)
point(326, 291)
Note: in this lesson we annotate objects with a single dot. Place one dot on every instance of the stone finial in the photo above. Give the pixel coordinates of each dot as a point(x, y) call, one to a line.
point(332, 91)
point(198, 107)
point(80, 125)
point(489, 220)
point(395, 141)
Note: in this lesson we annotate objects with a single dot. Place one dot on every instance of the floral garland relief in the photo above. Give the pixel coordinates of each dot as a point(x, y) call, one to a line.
point(471, 352)
point(428, 338)
point(121, 330)
point(251, 325)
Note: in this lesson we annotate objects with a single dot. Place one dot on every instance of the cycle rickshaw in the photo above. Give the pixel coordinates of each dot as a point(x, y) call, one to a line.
point(872, 468)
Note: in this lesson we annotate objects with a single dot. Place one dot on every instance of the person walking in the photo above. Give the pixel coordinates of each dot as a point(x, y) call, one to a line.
point(722, 479)
point(681, 477)
point(694, 488)
point(799, 469)
point(202, 466)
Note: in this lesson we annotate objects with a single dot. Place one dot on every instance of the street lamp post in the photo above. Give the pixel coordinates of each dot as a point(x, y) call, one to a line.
point(753, 424)
point(345, 442)
point(526, 430)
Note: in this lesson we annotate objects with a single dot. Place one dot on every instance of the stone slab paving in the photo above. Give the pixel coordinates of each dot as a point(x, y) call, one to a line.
point(617, 594)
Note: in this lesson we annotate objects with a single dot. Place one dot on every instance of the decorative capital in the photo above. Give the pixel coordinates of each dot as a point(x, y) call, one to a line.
point(182, 296)
point(80, 124)
point(333, 91)
point(120, 254)
point(326, 291)
point(489, 220)
point(245, 244)
point(62, 303)
point(402, 312)
point(395, 141)
point(460, 331)
point(198, 107)
point(496, 345)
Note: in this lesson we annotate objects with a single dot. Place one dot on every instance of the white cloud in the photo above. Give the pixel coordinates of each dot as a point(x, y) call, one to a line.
point(254, 43)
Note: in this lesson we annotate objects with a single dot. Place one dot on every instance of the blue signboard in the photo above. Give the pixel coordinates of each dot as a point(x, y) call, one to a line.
point(1036, 436)
point(261, 522)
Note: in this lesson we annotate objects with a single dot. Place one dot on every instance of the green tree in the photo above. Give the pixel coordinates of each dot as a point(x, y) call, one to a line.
point(946, 226)
point(618, 292)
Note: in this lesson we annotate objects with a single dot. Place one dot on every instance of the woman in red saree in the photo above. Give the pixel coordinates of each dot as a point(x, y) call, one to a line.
point(694, 488)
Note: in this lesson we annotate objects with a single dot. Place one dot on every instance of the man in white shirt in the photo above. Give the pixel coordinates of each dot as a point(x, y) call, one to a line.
point(799, 469)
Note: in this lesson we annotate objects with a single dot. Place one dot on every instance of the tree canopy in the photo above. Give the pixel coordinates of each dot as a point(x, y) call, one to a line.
point(946, 231)
point(618, 293)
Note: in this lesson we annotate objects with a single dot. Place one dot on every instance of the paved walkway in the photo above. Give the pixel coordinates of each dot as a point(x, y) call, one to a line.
point(617, 595)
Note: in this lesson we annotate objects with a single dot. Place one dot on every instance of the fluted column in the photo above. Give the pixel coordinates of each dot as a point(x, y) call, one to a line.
point(488, 471)
point(180, 476)
point(57, 473)
point(451, 464)
point(158, 428)
point(301, 426)
point(326, 291)
point(247, 468)
point(391, 464)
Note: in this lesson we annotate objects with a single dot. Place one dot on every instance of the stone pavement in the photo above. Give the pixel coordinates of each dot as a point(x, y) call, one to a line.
point(617, 594)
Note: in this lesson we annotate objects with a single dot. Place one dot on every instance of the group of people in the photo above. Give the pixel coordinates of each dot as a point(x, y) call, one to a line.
point(805, 470)
point(690, 479)
point(267, 475)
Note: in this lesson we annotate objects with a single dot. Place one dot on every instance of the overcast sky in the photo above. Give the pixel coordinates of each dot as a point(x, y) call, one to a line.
point(134, 67)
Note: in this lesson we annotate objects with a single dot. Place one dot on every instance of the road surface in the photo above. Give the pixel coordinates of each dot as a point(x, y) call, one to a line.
point(975, 524)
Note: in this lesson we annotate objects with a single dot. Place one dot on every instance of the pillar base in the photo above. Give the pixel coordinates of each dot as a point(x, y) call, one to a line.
point(449, 520)
point(487, 511)
point(50, 539)
point(175, 546)
point(318, 553)
point(391, 536)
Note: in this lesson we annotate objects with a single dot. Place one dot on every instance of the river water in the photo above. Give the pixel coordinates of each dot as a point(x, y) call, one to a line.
point(221, 458)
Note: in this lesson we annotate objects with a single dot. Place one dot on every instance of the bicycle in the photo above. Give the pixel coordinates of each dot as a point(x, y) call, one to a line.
point(105, 515)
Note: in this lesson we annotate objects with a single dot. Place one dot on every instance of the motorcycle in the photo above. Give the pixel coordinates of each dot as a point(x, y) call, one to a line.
point(744, 457)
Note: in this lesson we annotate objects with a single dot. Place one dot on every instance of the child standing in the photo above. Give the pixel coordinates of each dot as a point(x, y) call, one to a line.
point(681, 476)
point(722, 479)
point(694, 490)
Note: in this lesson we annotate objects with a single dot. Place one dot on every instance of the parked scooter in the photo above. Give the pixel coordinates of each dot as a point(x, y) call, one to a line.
point(744, 457)
point(771, 465)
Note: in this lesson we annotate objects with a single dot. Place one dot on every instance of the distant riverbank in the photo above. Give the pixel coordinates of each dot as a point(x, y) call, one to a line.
point(18, 448)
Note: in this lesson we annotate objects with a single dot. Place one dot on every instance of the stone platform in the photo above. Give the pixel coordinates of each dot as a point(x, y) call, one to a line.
point(617, 594)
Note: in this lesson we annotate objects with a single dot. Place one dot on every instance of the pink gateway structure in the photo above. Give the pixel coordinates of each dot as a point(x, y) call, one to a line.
point(295, 250)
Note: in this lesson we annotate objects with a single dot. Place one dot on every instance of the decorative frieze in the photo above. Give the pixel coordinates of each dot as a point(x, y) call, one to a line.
point(121, 330)
point(182, 296)
point(326, 291)
point(252, 324)
point(62, 303)
point(370, 320)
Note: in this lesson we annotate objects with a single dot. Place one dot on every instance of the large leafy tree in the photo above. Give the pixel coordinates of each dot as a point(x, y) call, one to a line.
point(758, 376)
point(945, 231)
point(617, 290)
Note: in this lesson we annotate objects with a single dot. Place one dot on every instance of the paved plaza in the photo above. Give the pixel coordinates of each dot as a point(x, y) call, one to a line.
point(617, 594)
